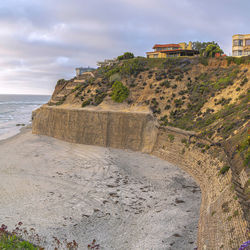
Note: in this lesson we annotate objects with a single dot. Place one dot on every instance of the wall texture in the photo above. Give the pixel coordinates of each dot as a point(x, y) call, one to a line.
point(222, 224)
point(128, 130)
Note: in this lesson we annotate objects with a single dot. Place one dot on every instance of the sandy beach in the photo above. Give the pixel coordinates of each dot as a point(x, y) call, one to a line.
point(122, 199)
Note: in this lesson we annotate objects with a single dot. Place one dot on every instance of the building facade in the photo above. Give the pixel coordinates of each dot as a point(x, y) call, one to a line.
point(241, 45)
point(81, 70)
point(172, 50)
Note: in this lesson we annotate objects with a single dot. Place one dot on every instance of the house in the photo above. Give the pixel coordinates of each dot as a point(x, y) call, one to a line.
point(172, 50)
point(241, 45)
point(81, 70)
point(107, 62)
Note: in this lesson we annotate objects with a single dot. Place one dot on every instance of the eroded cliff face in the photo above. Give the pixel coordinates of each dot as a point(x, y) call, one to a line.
point(118, 129)
point(222, 224)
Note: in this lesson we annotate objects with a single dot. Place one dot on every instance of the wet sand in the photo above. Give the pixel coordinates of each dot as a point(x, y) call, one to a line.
point(122, 199)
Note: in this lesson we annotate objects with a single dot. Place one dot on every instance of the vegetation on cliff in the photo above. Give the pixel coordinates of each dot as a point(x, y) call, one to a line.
point(212, 49)
point(209, 96)
point(126, 55)
point(207, 48)
point(119, 92)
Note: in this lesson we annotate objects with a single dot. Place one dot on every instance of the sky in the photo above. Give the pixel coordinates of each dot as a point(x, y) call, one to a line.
point(42, 41)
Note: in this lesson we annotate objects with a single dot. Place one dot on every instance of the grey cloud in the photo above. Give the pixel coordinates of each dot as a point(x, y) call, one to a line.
point(43, 40)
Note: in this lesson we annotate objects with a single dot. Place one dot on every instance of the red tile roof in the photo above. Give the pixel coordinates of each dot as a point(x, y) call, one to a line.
point(166, 45)
point(180, 50)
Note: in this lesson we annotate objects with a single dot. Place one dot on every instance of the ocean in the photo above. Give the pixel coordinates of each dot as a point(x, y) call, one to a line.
point(16, 110)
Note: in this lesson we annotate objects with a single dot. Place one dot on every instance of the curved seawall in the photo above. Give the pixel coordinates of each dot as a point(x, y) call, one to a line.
point(221, 224)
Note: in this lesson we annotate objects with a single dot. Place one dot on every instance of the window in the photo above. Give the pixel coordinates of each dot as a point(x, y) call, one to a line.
point(155, 55)
point(235, 53)
point(247, 42)
point(238, 42)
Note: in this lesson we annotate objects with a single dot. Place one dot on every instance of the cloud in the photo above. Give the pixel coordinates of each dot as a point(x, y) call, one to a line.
point(43, 40)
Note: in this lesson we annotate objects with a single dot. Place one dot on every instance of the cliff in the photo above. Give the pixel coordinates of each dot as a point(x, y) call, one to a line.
point(193, 113)
point(117, 129)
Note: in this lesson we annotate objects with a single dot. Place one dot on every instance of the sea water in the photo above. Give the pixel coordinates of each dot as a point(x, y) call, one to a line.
point(16, 111)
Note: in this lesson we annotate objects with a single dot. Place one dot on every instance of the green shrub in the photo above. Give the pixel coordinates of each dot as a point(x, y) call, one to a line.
point(164, 120)
point(224, 169)
point(111, 72)
point(179, 78)
point(178, 102)
point(86, 103)
point(167, 107)
point(222, 83)
point(238, 60)
point(223, 101)
point(160, 75)
point(99, 98)
point(245, 80)
point(182, 92)
point(171, 137)
point(126, 55)
point(120, 92)
point(60, 82)
point(132, 67)
point(13, 242)
point(165, 83)
point(236, 213)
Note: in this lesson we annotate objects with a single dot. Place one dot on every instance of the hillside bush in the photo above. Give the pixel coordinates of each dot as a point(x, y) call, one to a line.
point(132, 67)
point(224, 169)
point(126, 55)
point(120, 92)
point(171, 137)
point(86, 103)
point(99, 98)
point(60, 82)
point(222, 83)
point(238, 60)
point(165, 83)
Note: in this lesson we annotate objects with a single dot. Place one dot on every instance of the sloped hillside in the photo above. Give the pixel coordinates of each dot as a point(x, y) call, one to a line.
point(210, 97)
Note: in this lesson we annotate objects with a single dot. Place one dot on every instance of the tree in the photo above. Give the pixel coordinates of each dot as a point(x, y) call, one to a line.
point(201, 46)
point(126, 55)
point(212, 49)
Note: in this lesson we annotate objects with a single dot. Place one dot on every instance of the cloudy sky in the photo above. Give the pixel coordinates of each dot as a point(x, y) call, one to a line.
point(44, 40)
